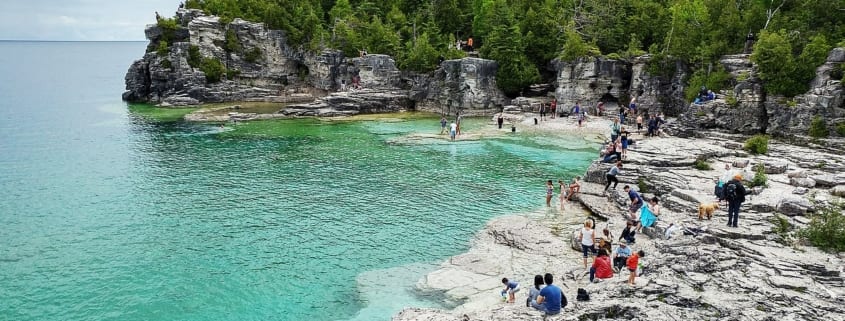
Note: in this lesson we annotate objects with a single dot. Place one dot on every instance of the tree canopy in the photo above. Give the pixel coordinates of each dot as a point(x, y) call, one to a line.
point(526, 34)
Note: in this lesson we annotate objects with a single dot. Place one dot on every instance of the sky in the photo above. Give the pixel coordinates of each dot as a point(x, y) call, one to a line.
point(80, 20)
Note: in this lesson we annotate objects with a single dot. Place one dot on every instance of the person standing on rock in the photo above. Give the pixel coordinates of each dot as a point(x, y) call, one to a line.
point(550, 190)
point(735, 194)
point(724, 179)
point(443, 123)
point(632, 107)
point(542, 111)
point(639, 123)
point(588, 239)
point(624, 142)
point(615, 129)
point(562, 193)
point(500, 120)
point(453, 130)
point(551, 298)
point(553, 107)
point(458, 119)
point(611, 176)
point(633, 263)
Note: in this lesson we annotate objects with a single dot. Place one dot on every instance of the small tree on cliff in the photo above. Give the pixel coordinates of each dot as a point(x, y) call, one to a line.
point(776, 67)
point(419, 55)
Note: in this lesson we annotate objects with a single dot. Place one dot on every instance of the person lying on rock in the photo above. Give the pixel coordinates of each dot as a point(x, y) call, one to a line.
point(601, 268)
point(620, 255)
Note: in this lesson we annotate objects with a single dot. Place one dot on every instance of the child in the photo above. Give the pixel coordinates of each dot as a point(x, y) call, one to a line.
point(511, 287)
point(629, 233)
point(633, 263)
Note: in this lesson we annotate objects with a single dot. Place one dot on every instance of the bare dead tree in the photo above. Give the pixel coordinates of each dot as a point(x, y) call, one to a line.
point(770, 13)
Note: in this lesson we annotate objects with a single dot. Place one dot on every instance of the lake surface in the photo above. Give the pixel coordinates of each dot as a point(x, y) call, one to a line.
point(108, 214)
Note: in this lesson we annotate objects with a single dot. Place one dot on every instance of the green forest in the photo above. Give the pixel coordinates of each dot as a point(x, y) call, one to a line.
point(793, 36)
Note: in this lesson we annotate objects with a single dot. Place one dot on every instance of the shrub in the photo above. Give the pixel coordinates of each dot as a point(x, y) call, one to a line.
point(840, 129)
point(702, 164)
point(232, 73)
point(731, 100)
point(213, 69)
point(168, 28)
point(757, 144)
point(194, 56)
point(827, 229)
point(166, 64)
point(613, 56)
point(717, 79)
point(641, 185)
point(760, 178)
point(818, 128)
point(253, 55)
point(232, 44)
point(162, 50)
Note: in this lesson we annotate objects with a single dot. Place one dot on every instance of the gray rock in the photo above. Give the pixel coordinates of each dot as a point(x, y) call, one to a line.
point(802, 182)
point(800, 191)
point(838, 190)
point(793, 206)
point(828, 180)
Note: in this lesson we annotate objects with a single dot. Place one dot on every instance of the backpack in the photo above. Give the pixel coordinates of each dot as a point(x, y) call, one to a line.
point(582, 295)
point(730, 192)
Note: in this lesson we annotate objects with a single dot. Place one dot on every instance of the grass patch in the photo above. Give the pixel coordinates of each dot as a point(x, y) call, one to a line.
point(641, 185)
point(160, 113)
point(757, 144)
point(840, 129)
point(818, 128)
point(827, 229)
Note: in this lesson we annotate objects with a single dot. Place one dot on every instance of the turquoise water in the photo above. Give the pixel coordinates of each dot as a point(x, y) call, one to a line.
point(109, 215)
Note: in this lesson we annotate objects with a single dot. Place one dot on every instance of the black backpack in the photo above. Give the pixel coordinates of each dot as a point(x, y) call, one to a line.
point(731, 191)
point(582, 295)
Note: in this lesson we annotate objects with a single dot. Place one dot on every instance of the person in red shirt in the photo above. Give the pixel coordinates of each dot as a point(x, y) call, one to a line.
point(633, 262)
point(601, 267)
point(554, 108)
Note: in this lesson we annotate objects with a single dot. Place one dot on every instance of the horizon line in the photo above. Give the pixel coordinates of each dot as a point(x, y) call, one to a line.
point(37, 40)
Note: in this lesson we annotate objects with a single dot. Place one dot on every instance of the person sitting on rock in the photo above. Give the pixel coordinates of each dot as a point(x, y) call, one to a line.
point(551, 298)
point(534, 291)
point(702, 96)
point(629, 233)
point(711, 95)
point(574, 188)
point(601, 268)
point(605, 240)
point(620, 255)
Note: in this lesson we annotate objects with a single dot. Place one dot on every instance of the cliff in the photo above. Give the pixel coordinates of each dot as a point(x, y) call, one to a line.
point(748, 109)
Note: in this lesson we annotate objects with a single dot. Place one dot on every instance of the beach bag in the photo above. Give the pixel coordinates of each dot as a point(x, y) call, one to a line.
point(582, 295)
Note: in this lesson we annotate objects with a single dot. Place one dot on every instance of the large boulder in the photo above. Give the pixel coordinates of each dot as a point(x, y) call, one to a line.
point(467, 84)
point(794, 206)
point(802, 182)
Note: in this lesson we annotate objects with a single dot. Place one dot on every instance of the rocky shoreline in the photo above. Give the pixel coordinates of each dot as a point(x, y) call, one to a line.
point(723, 273)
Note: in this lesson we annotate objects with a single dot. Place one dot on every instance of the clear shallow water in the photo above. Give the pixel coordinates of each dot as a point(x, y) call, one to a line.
point(107, 215)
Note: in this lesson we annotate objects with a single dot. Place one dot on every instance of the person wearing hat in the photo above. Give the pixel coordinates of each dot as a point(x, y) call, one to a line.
point(735, 193)
point(620, 255)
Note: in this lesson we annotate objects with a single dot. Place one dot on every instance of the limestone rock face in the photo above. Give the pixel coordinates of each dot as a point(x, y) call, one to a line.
point(748, 109)
point(468, 84)
point(614, 82)
point(263, 66)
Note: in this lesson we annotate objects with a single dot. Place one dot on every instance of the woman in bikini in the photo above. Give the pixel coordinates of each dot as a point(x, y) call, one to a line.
point(563, 189)
point(550, 189)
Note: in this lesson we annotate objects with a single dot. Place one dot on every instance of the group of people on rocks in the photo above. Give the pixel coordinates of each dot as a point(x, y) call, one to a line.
point(566, 191)
point(454, 128)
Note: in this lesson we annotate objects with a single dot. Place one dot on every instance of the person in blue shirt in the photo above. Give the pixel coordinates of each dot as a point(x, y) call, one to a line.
point(551, 299)
point(511, 287)
point(636, 202)
point(620, 255)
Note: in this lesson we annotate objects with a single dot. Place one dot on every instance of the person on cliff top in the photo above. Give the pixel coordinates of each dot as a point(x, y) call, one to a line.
point(587, 236)
point(574, 187)
point(550, 190)
point(611, 176)
point(615, 128)
point(534, 291)
point(443, 123)
point(553, 107)
point(636, 203)
point(453, 130)
point(601, 268)
point(630, 232)
point(623, 140)
point(551, 298)
point(511, 287)
point(633, 263)
point(620, 255)
point(735, 194)
point(639, 123)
